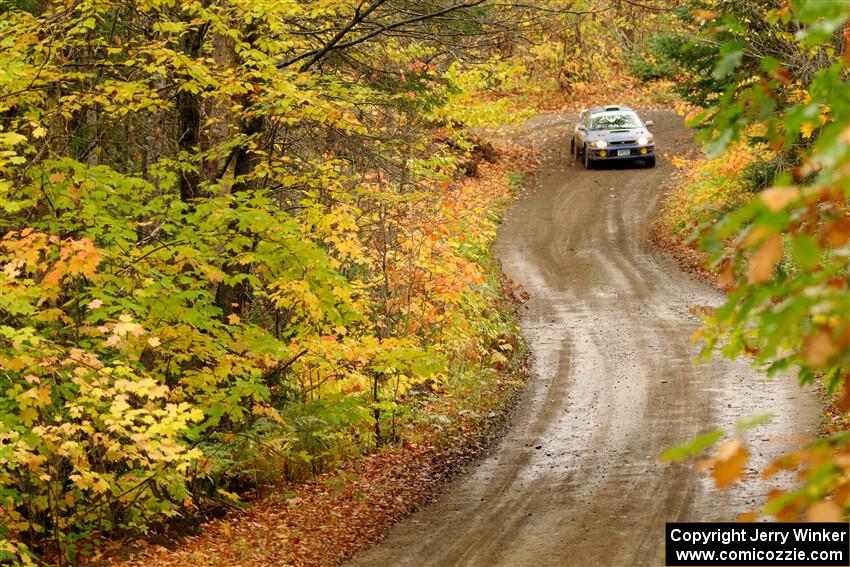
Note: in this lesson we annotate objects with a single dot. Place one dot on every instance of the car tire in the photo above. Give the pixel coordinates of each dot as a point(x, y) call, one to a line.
point(573, 152)
point(650, 162)
point(588, 164)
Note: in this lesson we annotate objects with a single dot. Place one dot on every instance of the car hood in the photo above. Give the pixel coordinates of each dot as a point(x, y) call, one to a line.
point(617, 135)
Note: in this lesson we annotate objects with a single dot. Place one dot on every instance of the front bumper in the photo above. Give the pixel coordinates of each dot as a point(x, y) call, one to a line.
point(616, 152)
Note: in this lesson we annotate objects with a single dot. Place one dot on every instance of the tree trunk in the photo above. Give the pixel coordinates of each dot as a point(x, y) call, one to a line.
point(231, 298)
point(189, 117)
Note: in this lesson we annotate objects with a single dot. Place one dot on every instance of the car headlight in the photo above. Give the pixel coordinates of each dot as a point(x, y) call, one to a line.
point(600, 144)
point(643, 140)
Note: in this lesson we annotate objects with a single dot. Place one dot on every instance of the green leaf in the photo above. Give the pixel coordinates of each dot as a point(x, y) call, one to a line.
point(731, 56)
point(693, 447)
point(806, 251)
point(751, 422)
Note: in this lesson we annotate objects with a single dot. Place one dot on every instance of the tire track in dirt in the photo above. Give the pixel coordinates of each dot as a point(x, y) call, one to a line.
point(576, 480)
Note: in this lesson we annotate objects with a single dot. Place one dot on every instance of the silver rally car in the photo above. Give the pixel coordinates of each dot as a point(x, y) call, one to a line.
point(610, 133)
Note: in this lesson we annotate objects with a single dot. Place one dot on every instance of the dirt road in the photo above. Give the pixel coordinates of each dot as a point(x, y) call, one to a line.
point(576, 480)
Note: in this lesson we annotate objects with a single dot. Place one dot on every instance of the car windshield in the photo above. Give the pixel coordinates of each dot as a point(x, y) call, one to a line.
point(614, 120)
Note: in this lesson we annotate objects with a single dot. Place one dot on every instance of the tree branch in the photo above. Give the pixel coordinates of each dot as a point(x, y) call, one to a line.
point(335, 44)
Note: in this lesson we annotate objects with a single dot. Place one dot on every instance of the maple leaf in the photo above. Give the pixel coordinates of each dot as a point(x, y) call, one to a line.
point(777, 198)
point(763, 261)
point(728, 463)
point(819, 347)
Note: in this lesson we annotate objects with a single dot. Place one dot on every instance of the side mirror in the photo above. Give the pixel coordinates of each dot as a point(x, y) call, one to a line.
point(648, 123)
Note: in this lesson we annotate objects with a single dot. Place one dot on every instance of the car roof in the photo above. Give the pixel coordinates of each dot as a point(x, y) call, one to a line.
point(609, 108)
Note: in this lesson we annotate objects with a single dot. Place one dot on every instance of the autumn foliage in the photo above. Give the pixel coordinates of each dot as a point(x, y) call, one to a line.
point(237, 241)
point(233, 245)
point(769, 208)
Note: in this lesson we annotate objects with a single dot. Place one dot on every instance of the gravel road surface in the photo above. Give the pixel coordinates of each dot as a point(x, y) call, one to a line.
point(576, 480)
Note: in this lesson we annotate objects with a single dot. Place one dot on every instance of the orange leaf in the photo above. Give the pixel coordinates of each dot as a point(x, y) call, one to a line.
point(748, 517)
point(763, 262)
point(786, 462)
point(842, 495)
point(757, 235)
point(777, 198)
point(844, 403)
point(819, 347)
point(726, 276)
point(729, 463)
point(824, 511)
point(838, 232)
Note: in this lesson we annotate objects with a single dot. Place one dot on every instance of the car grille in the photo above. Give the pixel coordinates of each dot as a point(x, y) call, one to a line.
point(623, 143)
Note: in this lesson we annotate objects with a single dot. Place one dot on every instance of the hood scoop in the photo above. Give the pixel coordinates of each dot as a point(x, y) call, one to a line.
point(620, 130)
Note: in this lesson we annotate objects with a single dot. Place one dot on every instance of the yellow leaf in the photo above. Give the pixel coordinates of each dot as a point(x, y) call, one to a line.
point(704, 15)
point(33, 462)
point(679, 162)
point(39, 394)
point(101, 486)
point(697, 335)
point(43, 395)
point(154, 342)
point(806, 130)
point(17, 364)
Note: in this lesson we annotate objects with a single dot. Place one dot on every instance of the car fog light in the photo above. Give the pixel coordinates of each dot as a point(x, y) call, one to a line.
point(643, 151)
point(603, 153)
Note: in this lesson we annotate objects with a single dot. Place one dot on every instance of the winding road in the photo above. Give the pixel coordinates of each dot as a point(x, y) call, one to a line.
point(576, 479)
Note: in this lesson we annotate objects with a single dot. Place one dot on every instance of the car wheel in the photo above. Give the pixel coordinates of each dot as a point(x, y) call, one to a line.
point(650, 162)
point(587, 163)
point(573, 152)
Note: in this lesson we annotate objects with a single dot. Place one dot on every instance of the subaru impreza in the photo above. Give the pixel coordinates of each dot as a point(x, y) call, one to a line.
point(611, 133)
